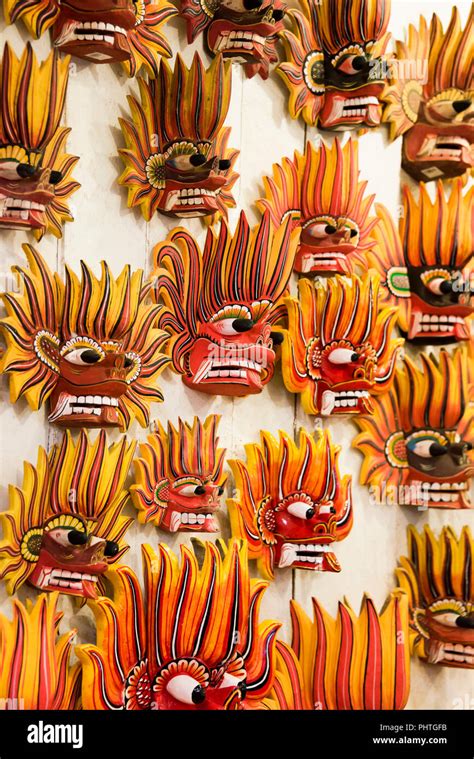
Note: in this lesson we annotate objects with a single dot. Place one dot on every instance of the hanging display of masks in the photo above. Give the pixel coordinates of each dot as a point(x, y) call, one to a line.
point(417, 446)
point(100, 31)
point(89, 346)
point(36, 670)
point(335, 66)
point(337, 351)
point(350, 662)
point(438, 577)
point(431, 102)
point(179, 478)
point(35, 170)
point(191, 641)
point(291, 504)
point(65, 524)
point(221, 303)
point(321, 192)
point(426, 267)
point(244, 30)
point(176, 158)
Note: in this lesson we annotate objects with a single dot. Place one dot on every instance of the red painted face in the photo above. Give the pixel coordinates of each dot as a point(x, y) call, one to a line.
point(246, 30)
point(344, 375)
point(192, 184)
point(189, 503)
point(440, 468)
point(448, 628)
point(232, 355)
point(92, 379)
point(96, 30)
point(25, 193)
point(70, 560)
point(302, 530)
point(358, 107)
point(188, 684)
point(325, 243)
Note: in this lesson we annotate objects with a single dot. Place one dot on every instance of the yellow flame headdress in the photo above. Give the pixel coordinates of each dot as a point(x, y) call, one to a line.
point(346, 312)
point(195, 620)
point(46, 315)
point(180, 113)
point(449, 75)
point(351, 662)
point(437, 570)
point(146, 40)
point(274, 470)
point(36, 672)
point(433, 396)
point(32, 96)
point(171, 454)
point(80, 479)
point(324, 181)
point(328, 26)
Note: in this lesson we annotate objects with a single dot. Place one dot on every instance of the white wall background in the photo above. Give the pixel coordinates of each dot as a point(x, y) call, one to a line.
point(105, 228)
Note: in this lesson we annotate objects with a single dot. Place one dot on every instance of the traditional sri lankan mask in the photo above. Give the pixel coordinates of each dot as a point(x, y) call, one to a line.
point(426, 268)
point(176, 160)
point(337, 351)
point(334, 67)
point(89, 346)
point(246, 30)
point(178, 477)
point(351, 662)
point(35, 172)
point(221, 303)
point(417, 445)
point(191, 641)
point(36, 672)
point(321, 192)
point(100, 31)
point(291, 504)
point(65, 524)
point(433, 107)
point(438, 577)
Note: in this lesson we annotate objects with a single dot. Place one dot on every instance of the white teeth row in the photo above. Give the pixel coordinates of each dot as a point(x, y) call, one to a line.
point(194, 518)
point(439, 327)
point(246, 363)
point(439, 319)
point(239, 41)
point(16, 203)
point(361, 101)
point(196, 191)
point(446, 153)
point(444, 497)
point(310, 559)
point(98, 37)
point(96, 400)
point(351, 393)
point(7, 213)
point(101, 25)
point(228, 373)
point(456, 653)
point(430, 486)
point(327, 254)
point(314, 548)
point(461, 141)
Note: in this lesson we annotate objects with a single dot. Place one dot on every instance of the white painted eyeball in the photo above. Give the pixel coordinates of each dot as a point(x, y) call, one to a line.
point(83, 357)
point(301, 510)
point(186, 689)
point(342, 356)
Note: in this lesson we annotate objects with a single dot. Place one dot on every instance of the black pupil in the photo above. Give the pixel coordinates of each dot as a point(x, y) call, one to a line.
point(111, 548)
point(200, 490)
point(197, 159)
point(329, 229)
point(221, 490)
point(198, 695)
point(310, 513)
point(128, 362)
point(89, 357)
point(446, 287)
point(437, 450)
point(24, 170)
point(242, 325)
point(77, 538)
point(354, 356)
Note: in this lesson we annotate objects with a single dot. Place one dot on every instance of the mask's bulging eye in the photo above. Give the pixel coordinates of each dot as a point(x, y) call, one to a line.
point(186, 689)
point(111, 548)
point(301, 510)
point(449, 618)
point(427, 448)
point(83, 357)
point(353, 64)
point(342, 356)
point(77, 538)
point(197, 160)
point(440, 286)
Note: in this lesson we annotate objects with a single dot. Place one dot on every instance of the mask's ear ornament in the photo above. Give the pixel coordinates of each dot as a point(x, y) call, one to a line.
point(90, 345)
point(191, 641)
point(221, 304)
point(351, 662)
point(176, 158)
point(417, 446)
point(291, 503)
point(438, 577)
point(433, 107)
point(244, 30)
point(35, 170)
point(334, 65)
point(179, 478)
point(427, 266)
point(337, 351)
point(321, 192)
point(36, 670)
point(100, 31)
point(65, 525)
